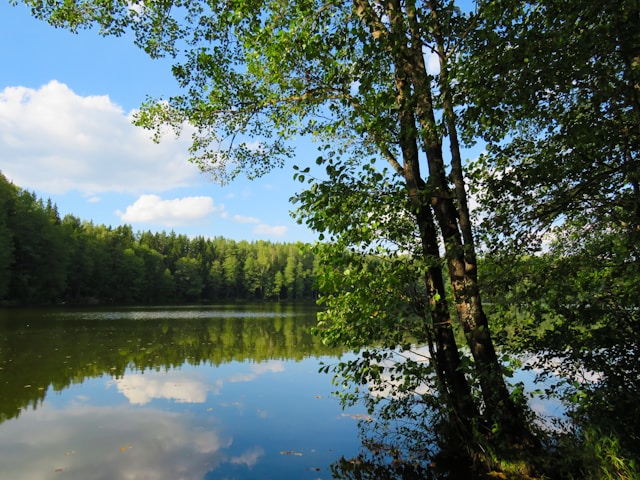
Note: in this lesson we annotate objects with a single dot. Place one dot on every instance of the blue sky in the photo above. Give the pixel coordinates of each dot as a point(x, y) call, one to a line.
point(65, 133)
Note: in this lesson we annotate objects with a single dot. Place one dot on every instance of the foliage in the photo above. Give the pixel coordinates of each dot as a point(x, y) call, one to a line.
point(598, 456)
point(372, 293)
point(559, 195)
point(560, 112)
point(47, 260)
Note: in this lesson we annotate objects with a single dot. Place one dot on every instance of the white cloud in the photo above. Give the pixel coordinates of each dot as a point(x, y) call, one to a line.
point(276, 231)
point(243, 219)
point(179, 211)
point(249, 458)
point(55, 141)
point(432, 60)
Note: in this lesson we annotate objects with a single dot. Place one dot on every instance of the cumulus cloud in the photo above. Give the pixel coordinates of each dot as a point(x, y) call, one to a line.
point(55, 141)
point(257, 370)
point(179, 211)
point(249, 458)
point(243, 219)
point(261, 228)
point(276, 231)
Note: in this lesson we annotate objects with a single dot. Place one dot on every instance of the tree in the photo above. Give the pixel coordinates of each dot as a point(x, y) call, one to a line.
point(231, 273)
point(38, 272)
point(156, 289)
point(353, 75)
point(566, 96)
point(252, 280)
point(559, 187)
point(278, 284)
point(81, 259)
point(7, 199)
point(189, 281)
point(216, 279)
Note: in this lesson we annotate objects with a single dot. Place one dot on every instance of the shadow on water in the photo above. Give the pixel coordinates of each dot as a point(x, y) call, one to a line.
point(405, 453)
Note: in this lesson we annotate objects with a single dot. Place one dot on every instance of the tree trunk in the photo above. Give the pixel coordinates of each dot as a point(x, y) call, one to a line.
point(404, 41)
point(448, 362)
point(452, 214)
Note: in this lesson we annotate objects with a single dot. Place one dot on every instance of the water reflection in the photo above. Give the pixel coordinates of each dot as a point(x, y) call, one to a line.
point(182, 388)
point(185, 393)
point(96, 442)
point(42, 349)
point(135, 394)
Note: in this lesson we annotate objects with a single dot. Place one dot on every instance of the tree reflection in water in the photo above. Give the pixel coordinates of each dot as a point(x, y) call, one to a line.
point(405, 451)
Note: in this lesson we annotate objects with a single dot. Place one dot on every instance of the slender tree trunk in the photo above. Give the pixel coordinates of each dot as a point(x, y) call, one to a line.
point(448, 364)
point(403, 36)
point(448, 356)
point(452, 213)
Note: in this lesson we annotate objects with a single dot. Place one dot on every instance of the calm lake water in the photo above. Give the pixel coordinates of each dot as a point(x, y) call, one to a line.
point(226, 392)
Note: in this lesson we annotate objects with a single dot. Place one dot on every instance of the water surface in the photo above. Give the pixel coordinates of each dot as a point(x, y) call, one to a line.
point(225, 392)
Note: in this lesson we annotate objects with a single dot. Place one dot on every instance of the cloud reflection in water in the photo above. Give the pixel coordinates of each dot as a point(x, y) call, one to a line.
point(188, 387)
point(87, 442)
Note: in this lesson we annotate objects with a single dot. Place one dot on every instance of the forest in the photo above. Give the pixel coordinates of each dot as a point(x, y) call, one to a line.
point(48, 260)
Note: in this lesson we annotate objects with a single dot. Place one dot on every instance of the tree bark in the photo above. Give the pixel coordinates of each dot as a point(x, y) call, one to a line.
point(454, 384)
point(448, 356)
point(452, 214)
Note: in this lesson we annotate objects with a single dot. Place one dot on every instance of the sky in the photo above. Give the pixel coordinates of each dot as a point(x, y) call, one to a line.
point(65, 133)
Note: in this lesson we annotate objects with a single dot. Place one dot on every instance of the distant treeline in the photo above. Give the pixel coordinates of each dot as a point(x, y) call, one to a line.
point(45, 260)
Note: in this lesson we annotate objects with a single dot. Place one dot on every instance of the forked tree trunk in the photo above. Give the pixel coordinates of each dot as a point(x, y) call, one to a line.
point(453, 381)
point(452, 214)
point(404, 40)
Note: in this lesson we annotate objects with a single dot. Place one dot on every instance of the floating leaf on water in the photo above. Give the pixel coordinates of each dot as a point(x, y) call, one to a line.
point(358, 416)
point(125, 448)
point(58, 470)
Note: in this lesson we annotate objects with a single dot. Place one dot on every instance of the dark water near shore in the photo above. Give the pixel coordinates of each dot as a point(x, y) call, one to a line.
point(227, 392)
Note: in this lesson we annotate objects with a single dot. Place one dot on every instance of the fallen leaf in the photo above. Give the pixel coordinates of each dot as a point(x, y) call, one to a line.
point(358, 416)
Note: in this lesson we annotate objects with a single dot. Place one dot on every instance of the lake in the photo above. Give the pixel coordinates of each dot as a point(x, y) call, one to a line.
point(220, 392)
